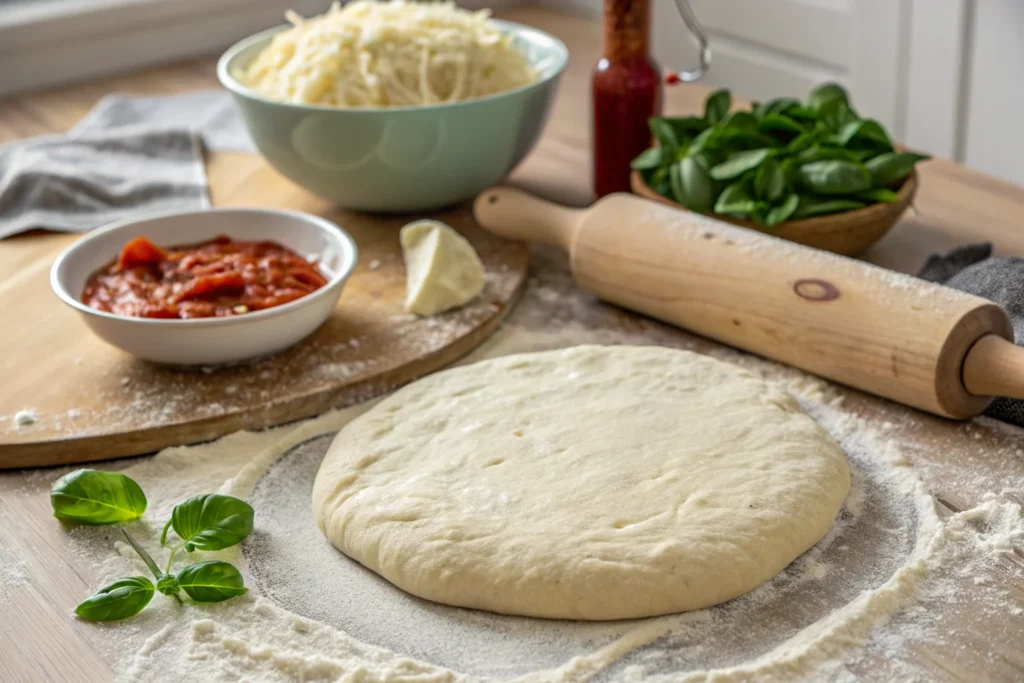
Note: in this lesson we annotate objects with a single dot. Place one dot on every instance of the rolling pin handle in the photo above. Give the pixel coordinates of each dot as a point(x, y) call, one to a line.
point(994, 367)
point(516, 215)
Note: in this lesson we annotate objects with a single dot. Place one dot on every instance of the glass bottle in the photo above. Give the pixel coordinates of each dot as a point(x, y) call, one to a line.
point(626, 92)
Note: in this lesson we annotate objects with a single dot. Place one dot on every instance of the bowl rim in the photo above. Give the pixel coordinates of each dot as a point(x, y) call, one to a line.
point(237, 88)
point(335, 233)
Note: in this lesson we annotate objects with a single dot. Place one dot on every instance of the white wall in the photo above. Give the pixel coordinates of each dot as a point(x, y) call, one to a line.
point(582, 7)
point(994, 115)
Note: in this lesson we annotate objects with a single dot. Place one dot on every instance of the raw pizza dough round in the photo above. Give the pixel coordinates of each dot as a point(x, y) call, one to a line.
point(595, 482)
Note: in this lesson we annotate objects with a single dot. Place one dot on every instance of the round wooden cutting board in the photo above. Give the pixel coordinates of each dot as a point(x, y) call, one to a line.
point(92, 401)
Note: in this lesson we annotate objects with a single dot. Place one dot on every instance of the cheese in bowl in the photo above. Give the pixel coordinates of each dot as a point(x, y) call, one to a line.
point(395, 107)
point(388, 54)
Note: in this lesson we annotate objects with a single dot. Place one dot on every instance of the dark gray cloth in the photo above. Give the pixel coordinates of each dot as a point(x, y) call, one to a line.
point(972, 269)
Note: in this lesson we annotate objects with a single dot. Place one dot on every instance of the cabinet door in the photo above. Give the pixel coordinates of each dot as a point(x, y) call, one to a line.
point(769, 48)
point(994, 90)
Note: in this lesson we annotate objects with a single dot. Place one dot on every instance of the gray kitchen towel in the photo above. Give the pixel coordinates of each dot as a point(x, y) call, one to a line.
point(77, 182)
point(210, 113)
point(972, 269)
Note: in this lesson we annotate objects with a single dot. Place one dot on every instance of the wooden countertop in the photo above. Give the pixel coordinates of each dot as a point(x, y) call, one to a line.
point(40, 641)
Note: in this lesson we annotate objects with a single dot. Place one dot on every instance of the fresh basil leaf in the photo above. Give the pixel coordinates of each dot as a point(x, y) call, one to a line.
point(698, 191)
point(892, 166)
point(804, 141)
point(687, 127)
point(759, 214)
point(827, 94)
point(675, 184)
point(818, 206)
point(780, 106)
point(649, 158)
point(865, 133)
point(745, 140)
point(825, 153)
point(740, 121)
point(735, 200)
point(739, 163)
point(770, 181)
point(791, 170)
point(782, 212)
point(663, 132)
point(211, 581)
point(835, 177)
point(705, 140)
point(716, 107)
point(210, 522)
point(658, 179)
point(779, 124)
point(878, 194)
point(94, 497)
point(122, 599)
point(799, 112)
point(835, 115)
point(705, 158)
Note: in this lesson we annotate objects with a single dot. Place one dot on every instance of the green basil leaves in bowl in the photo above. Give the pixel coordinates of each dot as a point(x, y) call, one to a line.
point(813, 172)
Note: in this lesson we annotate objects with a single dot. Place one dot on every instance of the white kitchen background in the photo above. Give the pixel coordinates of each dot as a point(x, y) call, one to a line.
point(947, 76)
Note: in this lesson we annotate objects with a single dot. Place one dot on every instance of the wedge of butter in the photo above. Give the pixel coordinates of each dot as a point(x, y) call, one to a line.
point(442, 271)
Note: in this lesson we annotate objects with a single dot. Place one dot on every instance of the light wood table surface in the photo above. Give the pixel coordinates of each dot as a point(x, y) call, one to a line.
point(41, 641)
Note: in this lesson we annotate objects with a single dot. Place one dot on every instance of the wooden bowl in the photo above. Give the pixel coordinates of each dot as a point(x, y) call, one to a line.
point(847, 233)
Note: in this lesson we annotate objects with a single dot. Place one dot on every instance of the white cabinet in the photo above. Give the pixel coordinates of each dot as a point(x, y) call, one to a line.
point(768, 48)
point(993, 118)
point(946, 76)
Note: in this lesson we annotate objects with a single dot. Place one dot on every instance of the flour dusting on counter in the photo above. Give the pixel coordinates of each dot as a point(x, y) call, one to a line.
point(855, 602)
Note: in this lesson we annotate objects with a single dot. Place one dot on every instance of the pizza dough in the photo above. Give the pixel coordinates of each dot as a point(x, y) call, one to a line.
point(586, 483)
point(442, 270)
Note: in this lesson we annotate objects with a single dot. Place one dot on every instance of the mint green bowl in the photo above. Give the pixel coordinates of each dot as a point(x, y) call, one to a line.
point(400, 159)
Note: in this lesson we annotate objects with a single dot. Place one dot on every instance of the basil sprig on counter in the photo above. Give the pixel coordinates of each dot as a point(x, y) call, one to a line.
point(211, 581)
point(205, 522)
point(122, 599)
point(94, 497)
point(210, 522)
point(782, 160)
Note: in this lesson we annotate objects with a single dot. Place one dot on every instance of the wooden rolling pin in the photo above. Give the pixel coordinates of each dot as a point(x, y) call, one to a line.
point(890, 334)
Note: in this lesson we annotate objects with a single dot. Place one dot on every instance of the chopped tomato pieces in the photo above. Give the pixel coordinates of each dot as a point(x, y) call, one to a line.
point(216, 278)
point(140, 252)
point(214, 286)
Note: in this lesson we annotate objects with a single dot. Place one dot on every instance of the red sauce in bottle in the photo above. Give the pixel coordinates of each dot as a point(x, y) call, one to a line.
point(627, 92)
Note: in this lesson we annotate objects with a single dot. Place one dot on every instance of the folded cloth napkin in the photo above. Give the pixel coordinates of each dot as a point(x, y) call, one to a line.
point(972, 269)
point(78, 182)
point(210, 113)
point(128, 157)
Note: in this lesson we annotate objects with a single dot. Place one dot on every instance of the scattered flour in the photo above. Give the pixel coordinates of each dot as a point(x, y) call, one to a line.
point(23, 418)
point(13, 573)
point(896, 566)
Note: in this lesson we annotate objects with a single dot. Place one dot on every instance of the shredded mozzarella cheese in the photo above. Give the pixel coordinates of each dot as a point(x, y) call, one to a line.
point(386, 54)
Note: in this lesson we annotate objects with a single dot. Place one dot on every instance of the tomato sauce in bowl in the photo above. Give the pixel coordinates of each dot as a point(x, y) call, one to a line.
point(218, 278)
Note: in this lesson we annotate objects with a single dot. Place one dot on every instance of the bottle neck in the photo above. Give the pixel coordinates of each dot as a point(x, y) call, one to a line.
point(627, 29)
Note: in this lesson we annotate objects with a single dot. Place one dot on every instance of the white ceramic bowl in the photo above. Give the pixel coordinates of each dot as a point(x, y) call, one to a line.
point(210, 341)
